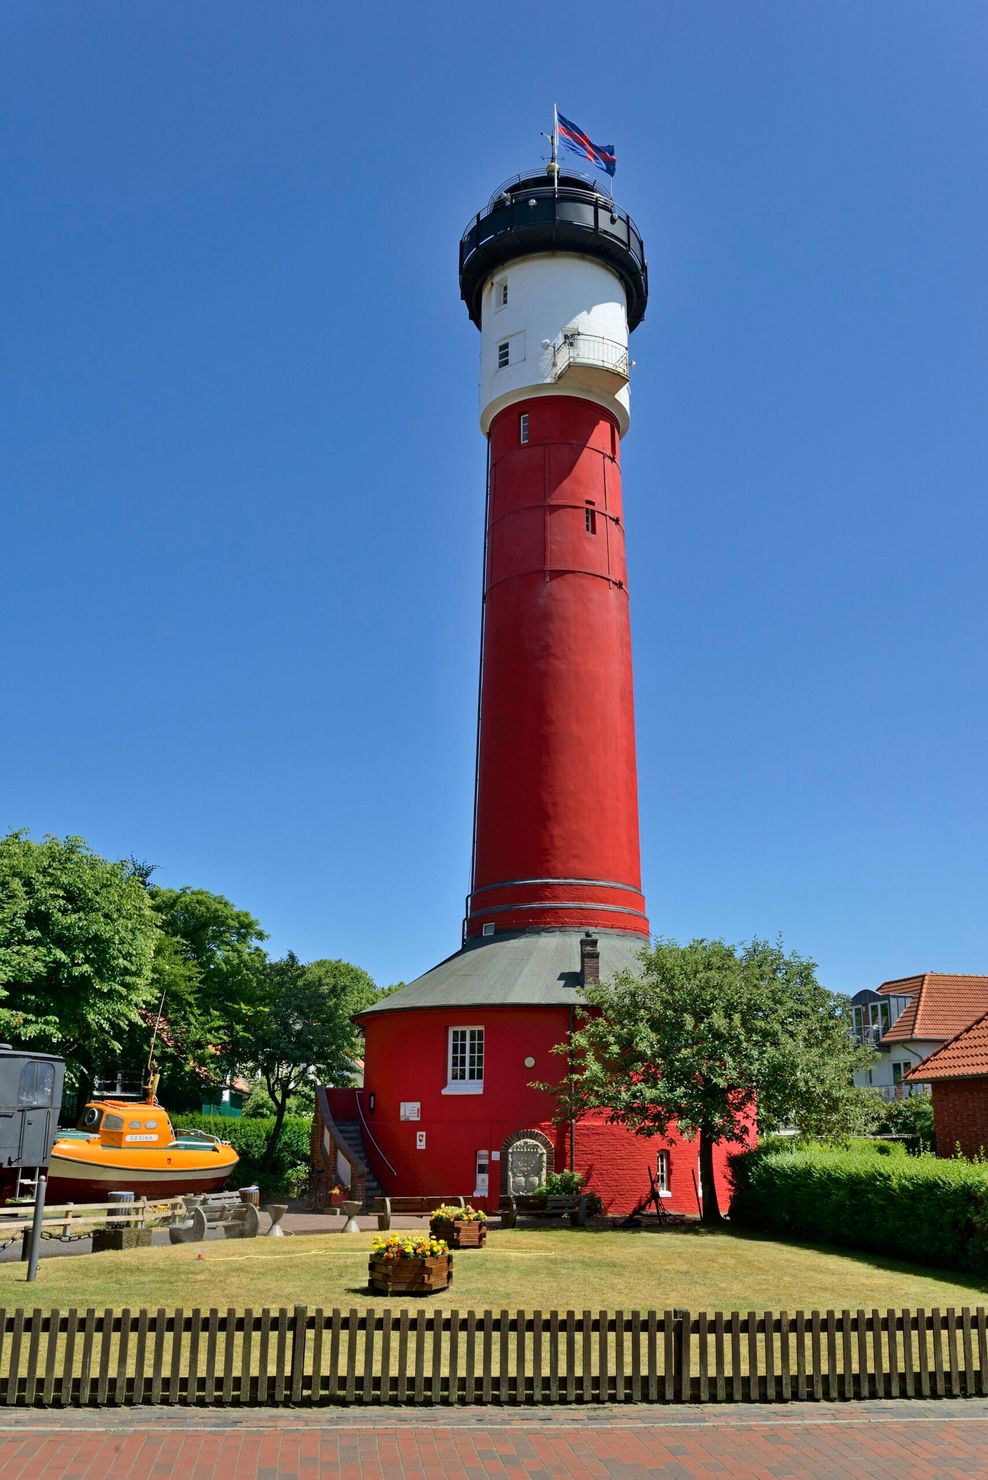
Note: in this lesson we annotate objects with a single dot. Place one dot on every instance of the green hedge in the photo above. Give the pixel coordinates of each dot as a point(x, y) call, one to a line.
point(248, 1136)
point(920, 1208)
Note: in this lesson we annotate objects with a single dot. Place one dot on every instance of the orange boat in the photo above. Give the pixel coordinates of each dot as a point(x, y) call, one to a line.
point(130, 1146)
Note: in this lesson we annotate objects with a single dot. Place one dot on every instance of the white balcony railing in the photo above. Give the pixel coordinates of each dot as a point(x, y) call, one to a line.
point(593, 352)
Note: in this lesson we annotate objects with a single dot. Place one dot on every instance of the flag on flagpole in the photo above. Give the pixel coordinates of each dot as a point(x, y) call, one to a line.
point(571, 136)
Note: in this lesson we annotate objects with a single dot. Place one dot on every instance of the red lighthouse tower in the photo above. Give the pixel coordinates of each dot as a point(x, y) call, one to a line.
point(553, 275)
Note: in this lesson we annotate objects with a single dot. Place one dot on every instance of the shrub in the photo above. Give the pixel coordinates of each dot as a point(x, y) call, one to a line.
point(568, 1184)
point(911, 1207)
point(248, 1136)
point(912, 1116)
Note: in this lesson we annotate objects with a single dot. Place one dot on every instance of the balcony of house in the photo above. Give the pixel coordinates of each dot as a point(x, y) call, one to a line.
point(598, 363)
point(870, 1034)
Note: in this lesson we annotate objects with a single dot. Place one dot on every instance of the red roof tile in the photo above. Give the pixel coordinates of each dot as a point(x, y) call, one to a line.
point(963, 1056)
point(942, 1005)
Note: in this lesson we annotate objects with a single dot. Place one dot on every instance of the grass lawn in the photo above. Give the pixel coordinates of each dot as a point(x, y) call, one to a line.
point(538, 1269)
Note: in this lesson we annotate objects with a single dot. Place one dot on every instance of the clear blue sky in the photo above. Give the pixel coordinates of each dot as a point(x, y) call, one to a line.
point(242, 479)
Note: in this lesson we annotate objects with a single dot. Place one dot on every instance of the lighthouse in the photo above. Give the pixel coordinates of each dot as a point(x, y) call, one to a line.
point(553, 275)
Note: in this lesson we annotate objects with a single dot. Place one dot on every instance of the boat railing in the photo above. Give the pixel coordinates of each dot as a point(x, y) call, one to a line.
point(196, 1135)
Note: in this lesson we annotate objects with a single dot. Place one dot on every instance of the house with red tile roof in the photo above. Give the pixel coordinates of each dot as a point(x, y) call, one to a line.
point(909, 1019)
point(957, 1074)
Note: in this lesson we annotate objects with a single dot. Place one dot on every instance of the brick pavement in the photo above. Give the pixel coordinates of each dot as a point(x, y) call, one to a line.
point(888, 1441)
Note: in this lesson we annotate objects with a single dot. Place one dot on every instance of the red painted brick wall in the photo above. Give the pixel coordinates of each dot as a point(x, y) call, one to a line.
point(405, 1059)
point(960, 1115)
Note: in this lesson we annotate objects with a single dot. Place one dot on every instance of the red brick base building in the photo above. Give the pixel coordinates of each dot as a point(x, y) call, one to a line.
point(958, 1078)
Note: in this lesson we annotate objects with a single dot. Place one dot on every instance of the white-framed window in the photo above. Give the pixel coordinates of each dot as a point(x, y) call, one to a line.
point(523, 427)
point(504, 354)
point(465, 1062)
point(482, 1181)
point(500, 294)
point(663, 1174)
point(590, 518)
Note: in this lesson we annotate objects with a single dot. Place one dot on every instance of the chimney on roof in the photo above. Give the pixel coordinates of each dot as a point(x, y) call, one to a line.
point(589, 959)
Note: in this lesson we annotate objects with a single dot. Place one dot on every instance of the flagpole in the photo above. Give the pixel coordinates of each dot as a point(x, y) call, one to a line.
point(555, 148)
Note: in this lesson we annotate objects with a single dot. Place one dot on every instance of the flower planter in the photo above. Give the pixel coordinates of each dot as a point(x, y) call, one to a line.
point(410, 1276)
point(460, 1234)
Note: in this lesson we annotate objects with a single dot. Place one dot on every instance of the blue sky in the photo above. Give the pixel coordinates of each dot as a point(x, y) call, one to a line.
point(242, 479)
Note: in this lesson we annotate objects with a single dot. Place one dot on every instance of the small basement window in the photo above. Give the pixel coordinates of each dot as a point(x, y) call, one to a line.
point(590, 518)
point(523, 427)
point(503, 355)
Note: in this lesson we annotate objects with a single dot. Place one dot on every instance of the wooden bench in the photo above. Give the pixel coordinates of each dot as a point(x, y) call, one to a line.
point(555, 1206)
point(385, 1207)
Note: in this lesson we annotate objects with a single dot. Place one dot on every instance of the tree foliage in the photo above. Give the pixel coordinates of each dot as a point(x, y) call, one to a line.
point(77, 943)
point(208, 965)
point(300, 1025)
point(709, 1037)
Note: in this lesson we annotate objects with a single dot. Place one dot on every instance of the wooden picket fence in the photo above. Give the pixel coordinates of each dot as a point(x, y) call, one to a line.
point(301, 1356)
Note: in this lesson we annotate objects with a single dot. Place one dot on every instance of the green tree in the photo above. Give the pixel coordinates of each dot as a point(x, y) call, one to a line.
point(710, 1036)
point(301, 1025)
point(208, 968)
point(77, 943)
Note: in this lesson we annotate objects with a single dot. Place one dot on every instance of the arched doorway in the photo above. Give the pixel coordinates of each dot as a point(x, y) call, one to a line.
point(526, 1157)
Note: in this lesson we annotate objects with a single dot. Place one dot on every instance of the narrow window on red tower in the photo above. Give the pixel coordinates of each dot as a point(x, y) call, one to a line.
point(663, 1177)
point(590, 518)
point(523, 427)
point(465, 1068)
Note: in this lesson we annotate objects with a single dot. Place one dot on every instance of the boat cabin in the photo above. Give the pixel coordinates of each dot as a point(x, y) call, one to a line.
point(122, 1123)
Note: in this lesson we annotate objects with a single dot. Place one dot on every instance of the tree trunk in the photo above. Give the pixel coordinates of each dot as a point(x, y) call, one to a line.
point(280, 1107)
point(710, 1212)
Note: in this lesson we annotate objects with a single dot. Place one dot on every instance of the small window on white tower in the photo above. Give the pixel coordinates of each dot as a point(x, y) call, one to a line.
point(500, 294)
point(590, 518)
point(523, 427)
point(503, 354)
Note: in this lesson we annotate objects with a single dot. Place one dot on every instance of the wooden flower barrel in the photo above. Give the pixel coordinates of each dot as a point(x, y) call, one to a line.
point(459, 1234)
point(410, 1276)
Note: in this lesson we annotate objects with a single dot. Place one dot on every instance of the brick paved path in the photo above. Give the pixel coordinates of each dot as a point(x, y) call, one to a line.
point(889, 1441)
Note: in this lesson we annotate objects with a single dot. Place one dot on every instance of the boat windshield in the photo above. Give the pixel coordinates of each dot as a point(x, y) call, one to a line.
point(90, 1119)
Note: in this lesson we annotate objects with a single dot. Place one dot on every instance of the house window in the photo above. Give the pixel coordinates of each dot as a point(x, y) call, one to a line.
point(590, 518)
point(482, 1175)
point(465, 1065)
point(896, 1073)
point(500, 294)
point(663, 1174)
point(523, 427)
point(503, 354)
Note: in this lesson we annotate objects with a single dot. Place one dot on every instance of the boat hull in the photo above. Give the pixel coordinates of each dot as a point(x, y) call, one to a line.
point(71, 1179)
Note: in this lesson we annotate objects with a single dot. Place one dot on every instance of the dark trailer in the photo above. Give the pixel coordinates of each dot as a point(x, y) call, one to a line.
point(30, 1096)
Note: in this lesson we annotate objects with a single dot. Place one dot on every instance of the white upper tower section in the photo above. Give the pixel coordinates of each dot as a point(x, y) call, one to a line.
point(554, 324)
point(554, 276)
